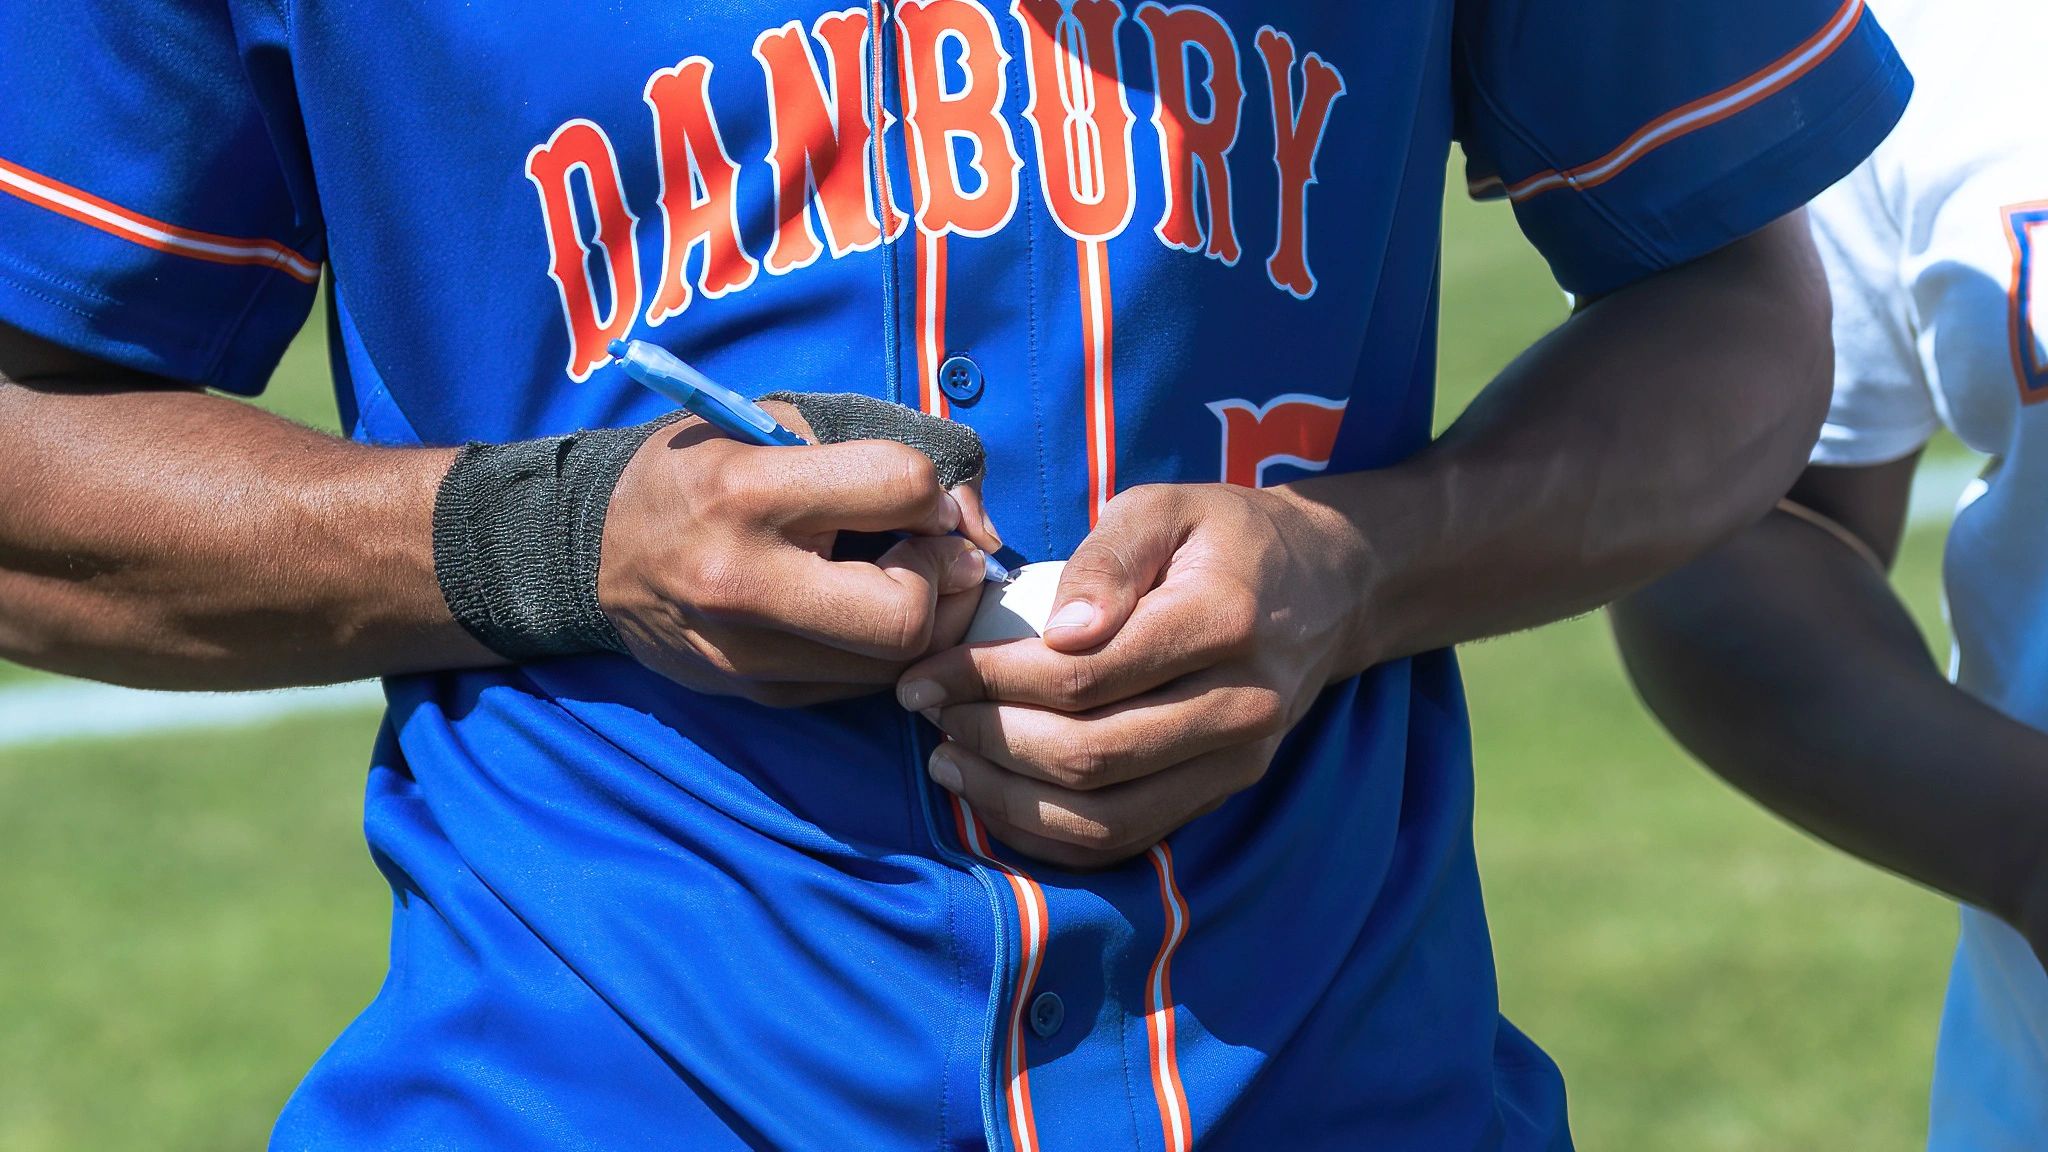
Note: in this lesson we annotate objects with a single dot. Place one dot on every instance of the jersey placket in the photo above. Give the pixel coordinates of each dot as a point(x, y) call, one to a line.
point(1009, 942)
point(1094, 1023)
point(1078, 1041)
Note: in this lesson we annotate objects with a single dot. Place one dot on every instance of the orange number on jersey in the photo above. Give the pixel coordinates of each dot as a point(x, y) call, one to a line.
point(1291, 429)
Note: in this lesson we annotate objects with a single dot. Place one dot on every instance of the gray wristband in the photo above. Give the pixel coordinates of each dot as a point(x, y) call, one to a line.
point(518, 530)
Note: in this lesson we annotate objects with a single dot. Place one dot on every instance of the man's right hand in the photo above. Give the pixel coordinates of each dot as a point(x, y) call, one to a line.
point(716, 565)
point(156, 536)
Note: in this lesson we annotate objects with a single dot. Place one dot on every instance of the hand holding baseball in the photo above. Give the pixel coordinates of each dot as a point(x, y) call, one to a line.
point(1191, 629)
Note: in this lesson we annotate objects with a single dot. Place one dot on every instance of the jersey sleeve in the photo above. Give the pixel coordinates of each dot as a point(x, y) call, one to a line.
point(1883, 407)
point(1632, 137)
point(156, 204)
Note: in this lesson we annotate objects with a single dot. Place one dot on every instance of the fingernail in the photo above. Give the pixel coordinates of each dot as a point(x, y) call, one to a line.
point(988, 524)
point(944, 772)
point(966, 571)
point(1072, 614)
point(918, 695)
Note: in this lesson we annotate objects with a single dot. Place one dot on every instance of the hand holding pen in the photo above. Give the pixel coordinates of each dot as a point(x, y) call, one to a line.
point(721, 407)
point(717, 572)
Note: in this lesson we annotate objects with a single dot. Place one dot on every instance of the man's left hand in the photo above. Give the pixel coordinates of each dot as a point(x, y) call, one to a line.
point(1192, 628)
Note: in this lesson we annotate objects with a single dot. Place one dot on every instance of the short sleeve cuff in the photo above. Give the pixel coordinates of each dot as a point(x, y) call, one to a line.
point(222, 323)
point(1622, 217)
point(1843, 446)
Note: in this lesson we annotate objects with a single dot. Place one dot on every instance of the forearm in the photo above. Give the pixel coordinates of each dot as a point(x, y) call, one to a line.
point(1648, 427)
point(165, 538)
point(1784, 661)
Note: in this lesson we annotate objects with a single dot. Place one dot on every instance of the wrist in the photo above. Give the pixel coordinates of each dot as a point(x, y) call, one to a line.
point(518, 531)
point(1368, 547)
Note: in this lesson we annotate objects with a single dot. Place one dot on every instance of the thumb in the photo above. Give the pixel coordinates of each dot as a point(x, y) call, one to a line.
point(1120, 561)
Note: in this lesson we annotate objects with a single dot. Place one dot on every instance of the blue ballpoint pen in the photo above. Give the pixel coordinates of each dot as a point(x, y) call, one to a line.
point(723, 408)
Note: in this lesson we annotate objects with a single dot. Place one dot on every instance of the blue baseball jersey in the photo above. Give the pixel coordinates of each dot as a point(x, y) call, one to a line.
point(1129, 243)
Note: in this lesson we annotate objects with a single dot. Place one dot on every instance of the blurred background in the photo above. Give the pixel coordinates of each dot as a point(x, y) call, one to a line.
point(188, 914)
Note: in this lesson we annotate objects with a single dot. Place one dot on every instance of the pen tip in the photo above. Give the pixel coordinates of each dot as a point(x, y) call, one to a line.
point(617, 348)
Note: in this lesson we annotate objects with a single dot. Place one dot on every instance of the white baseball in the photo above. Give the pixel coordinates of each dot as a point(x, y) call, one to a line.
point(1019, 608)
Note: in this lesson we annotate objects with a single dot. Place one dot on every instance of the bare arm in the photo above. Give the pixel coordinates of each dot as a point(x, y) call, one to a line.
point(153, 535)
point(1786, 663)
point(1650, 426)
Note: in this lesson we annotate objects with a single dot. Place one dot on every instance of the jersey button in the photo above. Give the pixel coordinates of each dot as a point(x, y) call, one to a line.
point(960, 379)
point(1047, 1014)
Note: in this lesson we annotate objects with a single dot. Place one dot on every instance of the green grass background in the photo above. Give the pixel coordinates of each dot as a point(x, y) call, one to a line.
point(186, 922)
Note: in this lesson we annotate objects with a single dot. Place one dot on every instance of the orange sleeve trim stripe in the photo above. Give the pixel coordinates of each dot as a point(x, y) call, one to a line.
point(1488, 187)
point(148, 231)
point(1704, 112)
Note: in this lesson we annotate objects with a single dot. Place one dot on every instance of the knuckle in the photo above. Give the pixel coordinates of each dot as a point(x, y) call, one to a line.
point(1073, 684)
point(964, 724)
point(1234, 614)
point(905, 474)
point(940, 553)
point(900, 628)
point(1240, 606)
point(725, 494)
point(1101, 559)
point(1264, 712)
point(1078, 762)
point(717, 584)
point(975, 672)
point(1144, 499)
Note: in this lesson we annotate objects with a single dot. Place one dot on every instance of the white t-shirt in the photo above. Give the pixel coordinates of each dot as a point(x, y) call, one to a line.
point(1937, 253)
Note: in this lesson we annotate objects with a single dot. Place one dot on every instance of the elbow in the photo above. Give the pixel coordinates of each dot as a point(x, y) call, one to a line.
point(1807, 386)
point(1754, 324)
point(1780, 447)
point(1792, 317)
point(1764, 323)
